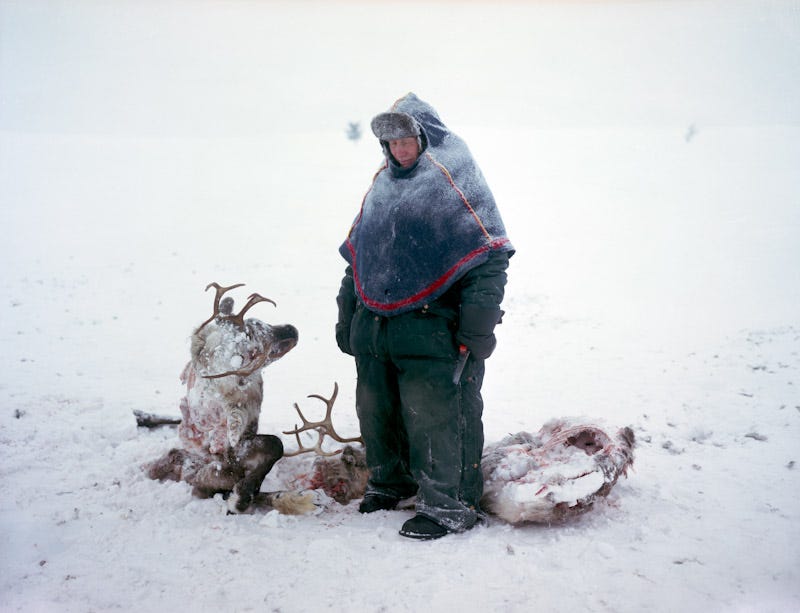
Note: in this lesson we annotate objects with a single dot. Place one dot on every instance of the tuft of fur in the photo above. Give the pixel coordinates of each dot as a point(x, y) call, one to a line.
point(290, 502)
point(394, 126)
point(293, 503)
point(342, 477)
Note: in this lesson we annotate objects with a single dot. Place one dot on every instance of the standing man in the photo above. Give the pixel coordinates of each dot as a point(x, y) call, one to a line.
point(418, 304)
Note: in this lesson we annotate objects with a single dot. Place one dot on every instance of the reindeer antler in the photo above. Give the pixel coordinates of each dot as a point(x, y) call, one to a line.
point(220, 291)
point(238, 319)
point(323, 428)
point(253, 299)
point(242, 372)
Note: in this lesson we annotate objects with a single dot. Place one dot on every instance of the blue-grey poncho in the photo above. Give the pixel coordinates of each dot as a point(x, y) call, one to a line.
point(421, 228)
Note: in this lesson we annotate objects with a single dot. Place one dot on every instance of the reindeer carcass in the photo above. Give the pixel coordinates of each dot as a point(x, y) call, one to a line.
point(546, 477)
point(221, 450)
point(554, 474)
point(341, 474)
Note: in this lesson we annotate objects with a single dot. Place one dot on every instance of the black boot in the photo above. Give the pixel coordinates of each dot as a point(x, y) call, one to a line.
point(377, 502)
point(422, 528)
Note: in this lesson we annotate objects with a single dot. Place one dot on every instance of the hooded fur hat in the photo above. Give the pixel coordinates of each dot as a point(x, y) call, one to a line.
point(394, 126)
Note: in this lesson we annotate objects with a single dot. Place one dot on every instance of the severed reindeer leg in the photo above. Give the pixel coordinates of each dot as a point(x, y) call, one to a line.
point(217, 475)
point(256, 457)
point(238, 473)
point(168, 467)
point(175, 465)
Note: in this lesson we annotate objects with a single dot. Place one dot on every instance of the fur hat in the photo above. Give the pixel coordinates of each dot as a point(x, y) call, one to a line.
point(394, 126)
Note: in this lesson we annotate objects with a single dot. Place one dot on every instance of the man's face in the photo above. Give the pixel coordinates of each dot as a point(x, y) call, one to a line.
point(404, 150)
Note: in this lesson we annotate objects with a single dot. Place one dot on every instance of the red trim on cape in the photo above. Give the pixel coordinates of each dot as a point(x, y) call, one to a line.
point(392, 306)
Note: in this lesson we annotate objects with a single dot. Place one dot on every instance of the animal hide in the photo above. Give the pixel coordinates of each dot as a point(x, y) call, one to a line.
point(341, 477)
point(554, 474)
point(546, 477)
point(221, 450)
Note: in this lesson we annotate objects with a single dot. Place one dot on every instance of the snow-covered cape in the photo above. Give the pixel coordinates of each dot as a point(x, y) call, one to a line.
point(420, 229)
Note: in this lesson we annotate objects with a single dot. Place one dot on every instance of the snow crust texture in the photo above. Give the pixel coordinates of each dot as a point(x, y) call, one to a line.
point(644, 157)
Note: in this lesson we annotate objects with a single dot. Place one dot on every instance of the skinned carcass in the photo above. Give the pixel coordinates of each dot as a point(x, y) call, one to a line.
point(555, 474)
point(221, 450)
point(546, 477)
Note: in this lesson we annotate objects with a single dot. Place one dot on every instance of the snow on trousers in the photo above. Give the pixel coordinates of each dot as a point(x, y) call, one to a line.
point(423, 433)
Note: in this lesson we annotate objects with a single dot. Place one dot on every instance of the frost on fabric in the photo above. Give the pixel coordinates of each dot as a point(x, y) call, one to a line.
point(433, 222)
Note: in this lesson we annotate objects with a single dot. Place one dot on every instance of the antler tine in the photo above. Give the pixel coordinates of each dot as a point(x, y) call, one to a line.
point(327, 422)
point(323, 428)
point(252, 300)
point(243, 372)
point(317, 448)
point(220, 292)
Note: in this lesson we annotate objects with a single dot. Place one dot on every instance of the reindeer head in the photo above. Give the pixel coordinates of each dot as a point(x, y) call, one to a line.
point(233, 345)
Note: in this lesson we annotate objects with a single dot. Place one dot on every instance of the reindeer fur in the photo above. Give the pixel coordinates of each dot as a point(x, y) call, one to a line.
point(221, 450)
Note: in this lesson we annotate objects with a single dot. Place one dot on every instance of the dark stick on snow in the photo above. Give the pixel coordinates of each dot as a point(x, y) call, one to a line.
point(148, 420)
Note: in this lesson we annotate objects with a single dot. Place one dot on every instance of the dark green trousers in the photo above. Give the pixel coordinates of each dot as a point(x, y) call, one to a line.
point(423, 433)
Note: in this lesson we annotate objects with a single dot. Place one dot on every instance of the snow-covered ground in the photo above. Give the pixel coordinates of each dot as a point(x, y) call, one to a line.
point(645, 156)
